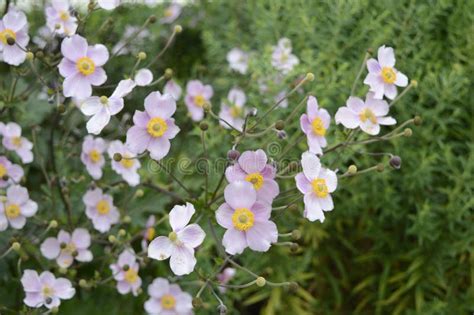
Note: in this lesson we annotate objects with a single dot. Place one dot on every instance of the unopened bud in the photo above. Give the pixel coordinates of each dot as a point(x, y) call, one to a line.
point(55, 310)
point(293, 286)
point(407, 132)
point(414, 83)
point(141, 55)
point(280, 125)
point(117, 157)
point(296, 234)
point(352, 169)
point(122, 233)
point(233, 155)
point(61, 108)
point(203, 126)
point(62, 271)
point(253, 111)
point(309, 76)
point(139, 193)
point(395, 162)
point(417, 120)
point(112, 239)
point(370, 50)
point(83, 283)
point(294, 247)
point(260, 282)
point(206, 107)
point(380, 167)
point(30, 55)
point(53, 224)
point(281, 134)
point(39, 54)
point(222, 309)
point(152, 19)
point(126, 219)
point(16, 246)
point(168, 73)
point(178, 29)
point(197, 302)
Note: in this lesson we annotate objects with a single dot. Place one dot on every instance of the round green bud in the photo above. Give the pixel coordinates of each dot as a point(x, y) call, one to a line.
point(370, 50)
point(125, 267)
point(352, 169)
point(309, 76)
point(39, 54)
point(83, 283)
point(168, 73)
point(16, 246)
point(260, 282)
point(62, 271)
point(293, 286)
point(294, 247)
point(122, 233)
point(380, 167)
point(30, 55)
point(61, 108)
point(407, 132)
point(117, 157)
point(279, 125)
point(178, 29)
point(296, 234)
point(104, 99)
point(127, 219)
point(417, 120)
point(112, 239)
point(53, 224)
point(197, 302)
point(414, 83)
point(54, 310)
point(141, 55)
point(203, 126)
point(139, 193)
point(152, 19)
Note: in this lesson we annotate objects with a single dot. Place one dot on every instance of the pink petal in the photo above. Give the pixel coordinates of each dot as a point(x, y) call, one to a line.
point(373, 66)
point(386, 56)
point(157, 105)
point(234, 173)
point(50, 248)
point(67, 68)
point(234, 241)
point(253, 161)
point(303, 184)
point(261, 235)
point(312, 107)
point(192, 235)
point(401, 79)
point(138, 139)
point(160, 248)
point(181, 215)
point(311, 165)
point(143, 77)
point(240, 194)
point(99, 54)
point(30, 281)
point(77, 86)
point(98, 77)
point(347, 118)
point(74, 47)
point(224, 216)
point(159, 148)
point(141, 119)
point(81, 238)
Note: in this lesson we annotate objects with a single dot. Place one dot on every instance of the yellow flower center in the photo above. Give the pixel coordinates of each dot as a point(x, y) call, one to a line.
point(94, 155)
point(388, 75)
point(103, 207)
point(16, 141)
point(242, 219)
point(64, 15)
point(6, 34)
point(127, 161)
point(3, 170)
point(368, 114)
point(85, 65)
point(168, 301)
point(173, 236)
point(168, 12)
point(150, 233)
point(256, 179)
point(199, 100)
point(47, 291)
point(131, 276)
point(319, 187)
point(70, 248)
point(236, 111)
point(12, 211)
point(318, 127)
point(156, 127)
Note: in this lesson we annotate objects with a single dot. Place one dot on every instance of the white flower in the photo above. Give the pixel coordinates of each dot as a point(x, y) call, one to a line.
point(143, 77)
point(238, 60)
point(108, 4)
point(282, 58)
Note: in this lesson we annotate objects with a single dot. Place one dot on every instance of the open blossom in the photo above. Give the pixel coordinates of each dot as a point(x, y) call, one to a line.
point(100, 209)
point(246, 219)
point(316, 183)
point(282, 58)
point(167, 299)
point(102, 108)
point(92, 155)
point(225, 276)
point(149, 232)
point(252, 167)
point(232, 110)
point(59, 19)
point(368, 116)
point(314, 124)
point(16, 207)
point(153, 128)
point(197, 95)
point(66, 247)
point(9, 173)
point(82, 66)
point(172, 87)
point(128, 166)
point(125, 272)
point(108, 4)
point(14, 26)
point(238, 60)
point(143, 77)
point(383, 78)
point(45, 289)
point(180, 243)
point(171, 14)
point(13, 141)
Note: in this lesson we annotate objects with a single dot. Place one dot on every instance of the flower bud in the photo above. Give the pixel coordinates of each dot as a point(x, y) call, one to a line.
point(352, 169)
point(53, 224)
point(178, 29)
point(407, 132)
point(126, 219)
point(141, 55)
point(281, 134)
point(253, 111)
point(39, 54)
point(233, 155)
point(62, 270)
point(296, 234)
point(152, 19)
point(83, 283)
point(206, 107)
point(203, 126)
point(117, 157)
point(395, 162)
point(370, 50)
point(309, 76)
point(294, 247)
point(293, 286)
point(16, 246)
point(139, 193)
point(417, 120)
point(54, 310)
point(260, 282)
point(380, 167)
point(72, 273)
point(222, 309)
point(280, 125)
point(197, 302)
point(168, 73)
point(61, 108)
point(122, 233)
point(75, 253)
point(112, 239)
point(30, 55)
point(414, 83)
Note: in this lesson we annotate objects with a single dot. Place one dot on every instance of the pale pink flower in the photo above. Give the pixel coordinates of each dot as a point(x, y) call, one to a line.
point(197, 95)
point(383, 78)
point(13, 141)
point(102, 108)
point(45, 289)
point(368, 116)
point(282, 58)
point(180, 243)
point(82, 66)
point(247, 220)
point(171, 13)
point(14, 25)
point(225, 276)
point(58, 15)
point(143, 77)
point(9, 173)
point(238, 60)
point(315, 124)
point(149, 232)
point(66, 248)
point(282, 95)
point(108, 4)
point(153, 128)
point(232, 110)
point(125, 272)
point(172, 87)
point(252, 167)
point(128, 166)
point(92, 155)
point(16, 207)
point(100, 209)
point(167, 299)
point(317, 184)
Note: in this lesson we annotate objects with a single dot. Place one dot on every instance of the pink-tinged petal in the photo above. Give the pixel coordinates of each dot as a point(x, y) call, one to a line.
point(224, 216)
point(14, 20)
point(262, 235)
point(253, 161)
point(158, 288)
point(17, 194)
point(312, 107)
point(386, 56)
point(74, 47)
point(173, 88)
point(138, 139)
point(172, 130)
point(197, 113)
point(325, 117)
point(370, 128)
point(65, 260)
point(347, 118)
point(63, 289)
point(303, 184)
point(84, 255)
point(92, 197)
point(99, 54)
point(314, 144)
point(29, 208)
point(31, 281)
point(123, 88)
point(160, 248)
point(330, 177)
point(115, 105)
point(60, 5)
point(143, 77)
point(237, 97)
point(18, 222)
point(234, 173)
point(91, 106)
point(123, 287)
point(50, 248)
point(386, 121)
point(268, 172)
point(194, 87)
point(11, 130)
point(390, 91)
point(157, 105)
point(313, 209)
point(182, 260)
point(184, 306)
point(108, 4)
point(98, 77)
point(191, 235)
point(159, 148)
point(373, 66)
point(67, 68)
point(376, 84)
point(127, 257)
point(305, 124)
point(13, 55)
point(261, 210)
point(378, 107)
point(355, 104)
point(326, 203)
point(401, 79)
point(240, 194)
point(234, 241)
point(98, 121)
point(64, 237)
point(181, 215)
point(153, 306)
point(81, 238)
point(207, 92)
point(141, 119)
point(77, 86)
point(311, 165)
point(26, 156)
point(268, 191)
point(33, 299)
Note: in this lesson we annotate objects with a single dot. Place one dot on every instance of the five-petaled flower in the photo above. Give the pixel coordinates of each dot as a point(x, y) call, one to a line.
point(15, 207)
point(14, 37)
point(125, 272)
point(59, 19)
point(100, 209)
point(197, 95)
point(92, 155)
point(232, 110)
point(129, 164)
point(13, 141)
point(238, 60)
point(167, 299)
point(314, 124)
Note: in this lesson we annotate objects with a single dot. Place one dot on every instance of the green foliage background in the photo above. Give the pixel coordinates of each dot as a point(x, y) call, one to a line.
point(397, 242)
